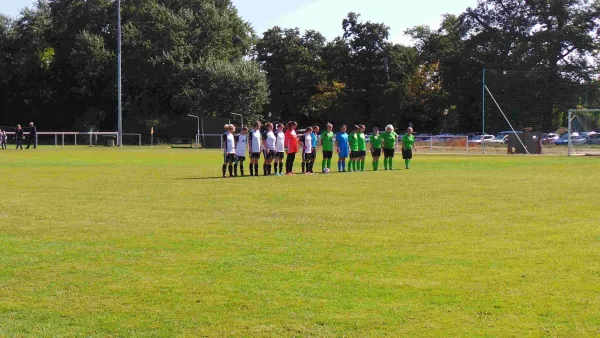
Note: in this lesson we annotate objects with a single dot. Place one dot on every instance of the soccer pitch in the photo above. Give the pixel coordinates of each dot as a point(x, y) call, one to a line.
point(150, 242)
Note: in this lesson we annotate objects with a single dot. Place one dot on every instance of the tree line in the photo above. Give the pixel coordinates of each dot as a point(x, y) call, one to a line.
point(58, 64)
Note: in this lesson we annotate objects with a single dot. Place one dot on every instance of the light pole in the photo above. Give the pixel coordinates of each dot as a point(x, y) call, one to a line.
point(198, 132)
point(119, 109)
point(241, 119)
point(445, 112)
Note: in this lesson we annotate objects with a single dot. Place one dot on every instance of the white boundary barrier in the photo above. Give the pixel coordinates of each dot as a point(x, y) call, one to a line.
point(69, 133)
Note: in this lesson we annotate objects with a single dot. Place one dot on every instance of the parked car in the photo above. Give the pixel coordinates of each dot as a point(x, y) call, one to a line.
point(593, 139)
point(576, 139)
point(551, 137)
point(481, 138)
point(500, 138)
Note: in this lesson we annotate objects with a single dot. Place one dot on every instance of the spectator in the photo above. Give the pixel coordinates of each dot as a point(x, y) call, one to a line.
point(2, 139)
point(19, 137)
point(32, 136)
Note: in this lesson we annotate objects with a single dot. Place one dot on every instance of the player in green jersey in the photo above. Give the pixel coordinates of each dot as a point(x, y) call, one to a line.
point(389, 144)
point(375, 143)
point(327, 138)
point(362, 148)
point(408, 144)
point(353, 141)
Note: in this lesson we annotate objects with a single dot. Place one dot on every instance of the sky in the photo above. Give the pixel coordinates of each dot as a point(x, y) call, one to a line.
point(326, 16)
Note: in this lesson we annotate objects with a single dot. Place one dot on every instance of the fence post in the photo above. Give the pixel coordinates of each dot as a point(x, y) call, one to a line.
point(430, 144)
point(63, 140)
point(467, 144)
point(91, 135)
point(140, 137)
point(55, 140)
point(75, 139)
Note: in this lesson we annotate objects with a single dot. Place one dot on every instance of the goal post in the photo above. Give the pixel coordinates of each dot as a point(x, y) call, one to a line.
point(583, 136)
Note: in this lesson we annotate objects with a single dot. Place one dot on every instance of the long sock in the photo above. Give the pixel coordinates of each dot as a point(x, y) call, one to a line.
point(339, 165)
point(281, 167)
point(343, 165)
point(377, 165)
point(224, 169)
point(255, 169)
point(374, 165)
point(312, 165)
point(303, 166)
point(230, 169)
point(264, 170)
point(251, 169)
point(323, 165)
point(391, 163)
point(329, 163)
point(362, 165)
point(235, 166)
point(408, 163)
point(242, 168)
point(385, 163)
point(269, 167)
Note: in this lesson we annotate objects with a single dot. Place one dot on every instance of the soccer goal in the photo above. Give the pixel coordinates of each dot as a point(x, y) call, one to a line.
point(583, 137)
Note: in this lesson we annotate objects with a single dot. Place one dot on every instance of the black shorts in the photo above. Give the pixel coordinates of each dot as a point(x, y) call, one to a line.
point(387, 153)
point(270, 154)
point(376, 152)
point(407, 154)
point(354, 154)
point(362, 153)
point(327, 154)
point(280, 155)
point(240, 158)
point(308, 156)
point(229, 158)
point(255, 156)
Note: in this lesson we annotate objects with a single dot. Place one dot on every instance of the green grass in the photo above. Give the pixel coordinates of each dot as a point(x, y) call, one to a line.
point(98, 242)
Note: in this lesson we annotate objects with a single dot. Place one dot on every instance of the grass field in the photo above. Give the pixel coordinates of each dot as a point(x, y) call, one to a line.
point(99, 242)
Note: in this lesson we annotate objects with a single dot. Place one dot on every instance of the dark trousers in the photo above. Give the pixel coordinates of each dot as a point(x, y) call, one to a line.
point(289, 162)
point(32, 140)
point(19, 144)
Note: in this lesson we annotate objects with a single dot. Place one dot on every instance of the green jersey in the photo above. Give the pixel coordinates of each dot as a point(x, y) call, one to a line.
point(353, 140)
point(389, 139)
point(327, 140)
point(408, 141)
point(362, 142)
point(375, 141)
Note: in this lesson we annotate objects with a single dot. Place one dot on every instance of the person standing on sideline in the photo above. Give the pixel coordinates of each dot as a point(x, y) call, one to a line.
point(32, 136)
point(408, 144)
point(228, 150)
point(362, 149)
point(291, 147)
point(389, 139)
point(327, 139)
point(280, 149)
point(240, 151)
point(375, 144)
point(353, 142)
point(19, 137)
point(255, 141)
point(342, 147)
point(2, 139)
point(269, 140)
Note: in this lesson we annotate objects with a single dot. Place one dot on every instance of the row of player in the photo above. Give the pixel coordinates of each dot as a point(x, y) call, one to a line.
point(275, 144)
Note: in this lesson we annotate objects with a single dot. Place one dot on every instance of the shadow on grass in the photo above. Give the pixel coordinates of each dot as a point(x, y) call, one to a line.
point(248, 176)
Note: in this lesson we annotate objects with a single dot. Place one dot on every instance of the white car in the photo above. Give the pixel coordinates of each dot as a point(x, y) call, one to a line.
point(499, 139)
point(481, 138)
point(551, 137)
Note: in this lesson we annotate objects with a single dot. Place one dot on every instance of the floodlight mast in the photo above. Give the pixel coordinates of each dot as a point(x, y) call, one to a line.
point(119, 102)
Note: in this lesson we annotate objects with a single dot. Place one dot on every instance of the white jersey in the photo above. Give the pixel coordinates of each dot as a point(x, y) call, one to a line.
point(270, 141)
point(255, 140)
point(229, 144)
point(308, 143)
point(280, 142)
point(240, 147)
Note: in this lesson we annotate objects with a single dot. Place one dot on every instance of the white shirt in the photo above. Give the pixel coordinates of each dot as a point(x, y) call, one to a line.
point(280, 142)
point(230, 144)
point(240, 147)
point(270, 141)
point(255, 141)
point(308, 143)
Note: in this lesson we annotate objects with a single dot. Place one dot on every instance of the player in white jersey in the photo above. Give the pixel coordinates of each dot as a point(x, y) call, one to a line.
point(280, 149)
point(254, 143)
point(228, 150)
point(307, 150)
point(241, 143)
point(269, 151)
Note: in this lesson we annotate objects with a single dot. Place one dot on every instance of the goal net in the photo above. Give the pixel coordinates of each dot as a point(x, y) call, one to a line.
point(583, 137)
point(536, 101)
